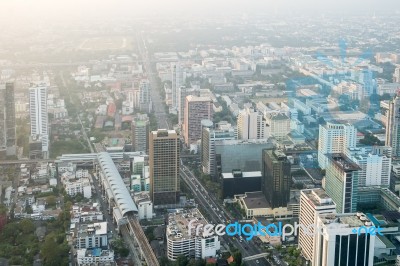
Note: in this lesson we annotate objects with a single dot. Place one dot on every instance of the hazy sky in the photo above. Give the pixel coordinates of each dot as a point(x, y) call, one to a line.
point(74, 9)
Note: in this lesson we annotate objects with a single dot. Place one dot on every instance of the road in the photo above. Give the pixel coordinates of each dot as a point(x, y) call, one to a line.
point(158, 102)
point(219, 215)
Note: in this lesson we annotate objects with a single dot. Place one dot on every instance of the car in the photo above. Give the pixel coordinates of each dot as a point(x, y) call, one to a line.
point(257, 261)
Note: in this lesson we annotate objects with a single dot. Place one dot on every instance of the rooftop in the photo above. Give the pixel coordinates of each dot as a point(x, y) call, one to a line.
point(178, 224)
point(243, 174)
point(346, 220)
point(255, 200)
point(343, 162)
point(318, 197)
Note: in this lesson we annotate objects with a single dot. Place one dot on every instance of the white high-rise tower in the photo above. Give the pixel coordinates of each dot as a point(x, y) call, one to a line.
point(39, 116)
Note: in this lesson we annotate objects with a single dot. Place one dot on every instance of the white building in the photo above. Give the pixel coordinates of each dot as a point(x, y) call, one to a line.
point(251, 125)
point(375, 164)
point(177, 82)
point(91, 235)
point(342, 241)
point(334, 138)
point(144, 96)
point(190, 244)
point(279, 125)
point(144, 204)
point(312, 203)
point(39, 116)
point(73, 187)
point(97, 256)
point(393, 126)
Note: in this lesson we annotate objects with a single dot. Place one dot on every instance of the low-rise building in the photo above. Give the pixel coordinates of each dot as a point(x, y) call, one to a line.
point(95, 256)
point(91, 235)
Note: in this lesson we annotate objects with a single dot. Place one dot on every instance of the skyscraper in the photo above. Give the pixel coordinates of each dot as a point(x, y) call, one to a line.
point(341, 182)
point(39, 117)
point(182, 93)
point(276, 178)
point(177, 82)
point(164, 167)
point(8, 137)
point(140, 134)
point(144, 96)
point(196, 109)
point(393, 126)
point(251, 125)
point(312, 203)
point(334, 138)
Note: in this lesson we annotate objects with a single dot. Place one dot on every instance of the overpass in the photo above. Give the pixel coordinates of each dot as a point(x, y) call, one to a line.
point(254, 257)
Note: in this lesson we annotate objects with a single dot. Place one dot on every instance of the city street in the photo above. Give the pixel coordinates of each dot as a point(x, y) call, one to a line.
point(218, 215)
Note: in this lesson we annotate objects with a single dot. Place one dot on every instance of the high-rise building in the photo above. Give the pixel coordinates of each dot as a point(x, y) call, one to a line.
point(144, 96)
point(140, 134)
point(182, 93)
point(375, 163)
point(313, 202)
point(334, 138)
point(393, 126)
point(276, 178)
point(344, 239)
point(177, 82)
point(278, 125)
point(8, 137)
point(164, 167)
point(251, 125)
point(396, 75)
point(196, 109)
point(209, 135)
point(39, 116)
point(341, 182)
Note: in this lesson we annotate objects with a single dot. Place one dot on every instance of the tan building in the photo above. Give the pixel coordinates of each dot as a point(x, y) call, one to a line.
point(196, 109)
point(312, 203)
point(164, 167)
point(279, 125)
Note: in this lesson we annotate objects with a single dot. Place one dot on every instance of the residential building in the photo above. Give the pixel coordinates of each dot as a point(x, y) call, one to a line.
point(313, 202)
point(196, 109)
point(251, 125)
point(74, 186)
point(95, 256)
point(276, 178)
point(144, 204)
point(91, 235)
point(144, 96)
point(341, 182)
point(334, 138)
point(186, 236)
point(279, 125)
point(393, 126)
point(177, 82)
point(375, 163)
point(182, 93)
point(39, 117)
point(164, 167)
point(8, 144)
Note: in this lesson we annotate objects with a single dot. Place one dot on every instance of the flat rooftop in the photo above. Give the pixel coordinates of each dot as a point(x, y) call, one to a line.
point(349, 219)
point(318, 197)
point(244, 175)
point(178, 224)
point(256, 200)
point(343, 162)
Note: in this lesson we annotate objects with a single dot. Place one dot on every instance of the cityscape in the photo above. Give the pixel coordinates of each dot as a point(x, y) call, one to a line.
point(200, 133)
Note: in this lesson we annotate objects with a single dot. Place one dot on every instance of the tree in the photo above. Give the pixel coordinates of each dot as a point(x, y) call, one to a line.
point(237, 256)
point(181, 261)
point(51, 201)
point(27, 226)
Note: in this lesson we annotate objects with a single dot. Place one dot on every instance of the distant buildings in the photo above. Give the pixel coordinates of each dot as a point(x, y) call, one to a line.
point(279, 125)
point(39, 117)
point(393, 126)
point(334, 138)
point(164, 167)
point(251, 125)
point(8, 137)
point(196, 110)
point(341, 182)
point(276, 178)
point(313, 202)
point(144, 96)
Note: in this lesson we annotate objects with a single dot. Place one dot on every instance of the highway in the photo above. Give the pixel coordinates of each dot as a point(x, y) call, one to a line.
point(158, 103)
point(219, 215)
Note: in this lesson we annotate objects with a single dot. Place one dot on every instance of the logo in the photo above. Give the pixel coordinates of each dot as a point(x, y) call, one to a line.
point(277, 230)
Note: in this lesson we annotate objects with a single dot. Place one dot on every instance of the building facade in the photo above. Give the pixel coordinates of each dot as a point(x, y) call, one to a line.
point(313, 202)
point(251, 125)
point(334, 138)
point(39, 117)
point(140, 135)
point(276, 177)
point(341, 182)
point(164, 167)
point(196, 110)
point(393, 126)
point(8, 144)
